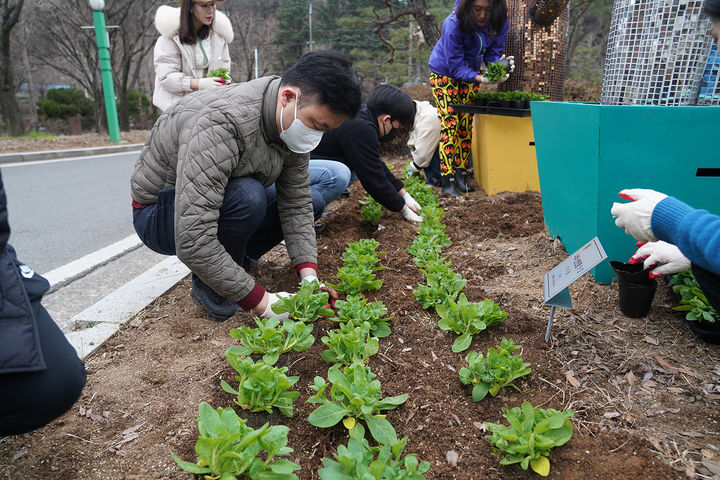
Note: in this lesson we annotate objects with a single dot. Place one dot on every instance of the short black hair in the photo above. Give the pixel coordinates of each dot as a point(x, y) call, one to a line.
point(389, 99)
point(712, 8)
point(327, 77)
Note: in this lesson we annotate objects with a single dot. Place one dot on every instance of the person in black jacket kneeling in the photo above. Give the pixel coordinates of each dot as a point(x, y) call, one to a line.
point(356, 146)
point(41, 376)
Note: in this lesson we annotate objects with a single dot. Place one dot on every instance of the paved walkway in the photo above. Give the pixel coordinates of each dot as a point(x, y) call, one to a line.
point(105, 317)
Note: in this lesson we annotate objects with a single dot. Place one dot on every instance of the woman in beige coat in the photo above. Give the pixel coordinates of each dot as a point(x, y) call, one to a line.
point(193, 41)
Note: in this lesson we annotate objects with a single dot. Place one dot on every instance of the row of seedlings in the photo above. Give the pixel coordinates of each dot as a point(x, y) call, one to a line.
point(355, 394)
point(532, 432)
point(226, 447)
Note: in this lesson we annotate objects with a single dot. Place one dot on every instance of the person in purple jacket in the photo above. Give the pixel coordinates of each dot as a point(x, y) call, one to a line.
point(473, 36)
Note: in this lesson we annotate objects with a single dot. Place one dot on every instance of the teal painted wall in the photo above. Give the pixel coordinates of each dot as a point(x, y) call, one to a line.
point(587, 153)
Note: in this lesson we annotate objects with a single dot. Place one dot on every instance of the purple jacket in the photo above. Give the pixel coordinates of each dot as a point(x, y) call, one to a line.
point(459, 55)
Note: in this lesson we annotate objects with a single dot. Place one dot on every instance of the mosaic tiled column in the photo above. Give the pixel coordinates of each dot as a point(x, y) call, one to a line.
point(538, 40)
point(657, 53)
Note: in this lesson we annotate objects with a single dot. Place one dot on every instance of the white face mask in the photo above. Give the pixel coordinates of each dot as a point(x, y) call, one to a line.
point(298, 137)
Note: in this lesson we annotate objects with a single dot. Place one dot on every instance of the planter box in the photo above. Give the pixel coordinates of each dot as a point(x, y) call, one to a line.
point(503, 149)
point(587, 153)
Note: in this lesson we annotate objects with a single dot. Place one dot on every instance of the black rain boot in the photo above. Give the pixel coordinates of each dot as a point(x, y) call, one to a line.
point(448, 185)
point(461, 184)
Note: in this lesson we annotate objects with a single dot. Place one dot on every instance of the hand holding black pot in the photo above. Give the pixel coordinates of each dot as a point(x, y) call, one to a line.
point(652, 253)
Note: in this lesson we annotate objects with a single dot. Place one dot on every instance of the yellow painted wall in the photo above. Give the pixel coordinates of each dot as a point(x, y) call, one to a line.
point(503, 151)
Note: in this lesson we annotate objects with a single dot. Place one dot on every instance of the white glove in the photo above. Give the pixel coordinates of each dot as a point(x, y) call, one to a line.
point(409, 215)
point(412, 169)
point(661, 252)
point(411, 203)
point(635, 217)
point(274, 297)
point(511, 62)
point(209, 82)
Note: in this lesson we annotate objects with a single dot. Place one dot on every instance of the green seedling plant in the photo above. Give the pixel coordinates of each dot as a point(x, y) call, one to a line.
point(356, 310)
point(306, 305)
point(530, 436)
point(468, 318)
point(495, 71)
point(371, 210)
point(363, 253)
point(261, 387)
point(353, 279)
point(422, 245)
point(272, 337)
point(228, 449)
point(692, 298)
point(223, 73)
point(355, 395)
point(361, 461)
point(349, 344)
point(443, 285)
point(495, 372)
point(420, 191)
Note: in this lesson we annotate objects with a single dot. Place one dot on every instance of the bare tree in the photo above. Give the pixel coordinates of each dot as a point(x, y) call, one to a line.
point(9, 15)
point(418, 10)
point(252, 31)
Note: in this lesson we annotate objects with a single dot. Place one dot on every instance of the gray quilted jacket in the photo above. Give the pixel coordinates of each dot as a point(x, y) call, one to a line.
point(201, 142)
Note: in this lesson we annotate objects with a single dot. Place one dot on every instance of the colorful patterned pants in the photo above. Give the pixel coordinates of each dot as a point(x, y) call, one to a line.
point(455, 127)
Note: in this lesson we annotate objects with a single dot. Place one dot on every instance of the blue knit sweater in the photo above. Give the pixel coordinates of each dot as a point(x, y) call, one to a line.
point(695, 232)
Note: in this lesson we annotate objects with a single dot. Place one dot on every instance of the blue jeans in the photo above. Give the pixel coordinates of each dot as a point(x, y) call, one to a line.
point(249, 224)
point(328, 179)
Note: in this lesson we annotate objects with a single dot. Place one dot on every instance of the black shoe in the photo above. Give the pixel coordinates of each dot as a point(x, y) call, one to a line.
point(345, 194)
point(433, 180)
point(448, 185)
point(216, 307)
point(461, 184)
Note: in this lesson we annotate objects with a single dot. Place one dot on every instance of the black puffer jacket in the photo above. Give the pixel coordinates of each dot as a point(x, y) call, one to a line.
point(20, 349)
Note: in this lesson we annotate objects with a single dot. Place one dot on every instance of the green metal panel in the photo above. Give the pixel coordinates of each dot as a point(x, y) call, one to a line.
point(634, 147)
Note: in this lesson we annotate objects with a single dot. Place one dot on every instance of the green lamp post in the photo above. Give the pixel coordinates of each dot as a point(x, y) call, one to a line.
point(103, 44)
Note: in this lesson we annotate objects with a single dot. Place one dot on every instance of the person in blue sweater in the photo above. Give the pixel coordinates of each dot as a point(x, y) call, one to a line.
point(677, 236)
point(473, 36)
point(354, 149)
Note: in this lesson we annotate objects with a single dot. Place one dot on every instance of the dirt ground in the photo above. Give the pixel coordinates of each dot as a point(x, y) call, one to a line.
point(64, 142)
point(645, 391)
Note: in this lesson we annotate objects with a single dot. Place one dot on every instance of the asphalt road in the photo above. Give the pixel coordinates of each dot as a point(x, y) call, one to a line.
point(62, 210)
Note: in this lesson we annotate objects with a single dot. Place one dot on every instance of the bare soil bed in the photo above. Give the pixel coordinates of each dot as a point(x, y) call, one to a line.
point(645, 391)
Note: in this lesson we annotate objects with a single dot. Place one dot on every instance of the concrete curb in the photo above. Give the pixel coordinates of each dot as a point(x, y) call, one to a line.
point(75, 152)
point(107, 315)
point(78, 268)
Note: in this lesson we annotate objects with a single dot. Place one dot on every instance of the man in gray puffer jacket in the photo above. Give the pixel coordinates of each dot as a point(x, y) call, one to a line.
point(223, 177)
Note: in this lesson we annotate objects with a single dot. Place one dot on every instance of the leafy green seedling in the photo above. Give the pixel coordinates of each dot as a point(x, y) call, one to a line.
point(355, 395)
point(468, 318)
point(349, 344)
point(228, 449)
point(442, 286)
point(356, 310)
point(495, 71)
point(272, 338)
point(494, 373)
point(354, 279)
point(371, 210)
point(306, 305)
point(692, 298)
point(260, 386)
point(361, 461)
point(223, 73)
point(530, 436)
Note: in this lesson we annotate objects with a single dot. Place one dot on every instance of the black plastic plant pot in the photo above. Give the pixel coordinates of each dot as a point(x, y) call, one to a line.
point(519, 104)
point(632, 272)
point(706, 331)
point(481, 102)
point(636, 298)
